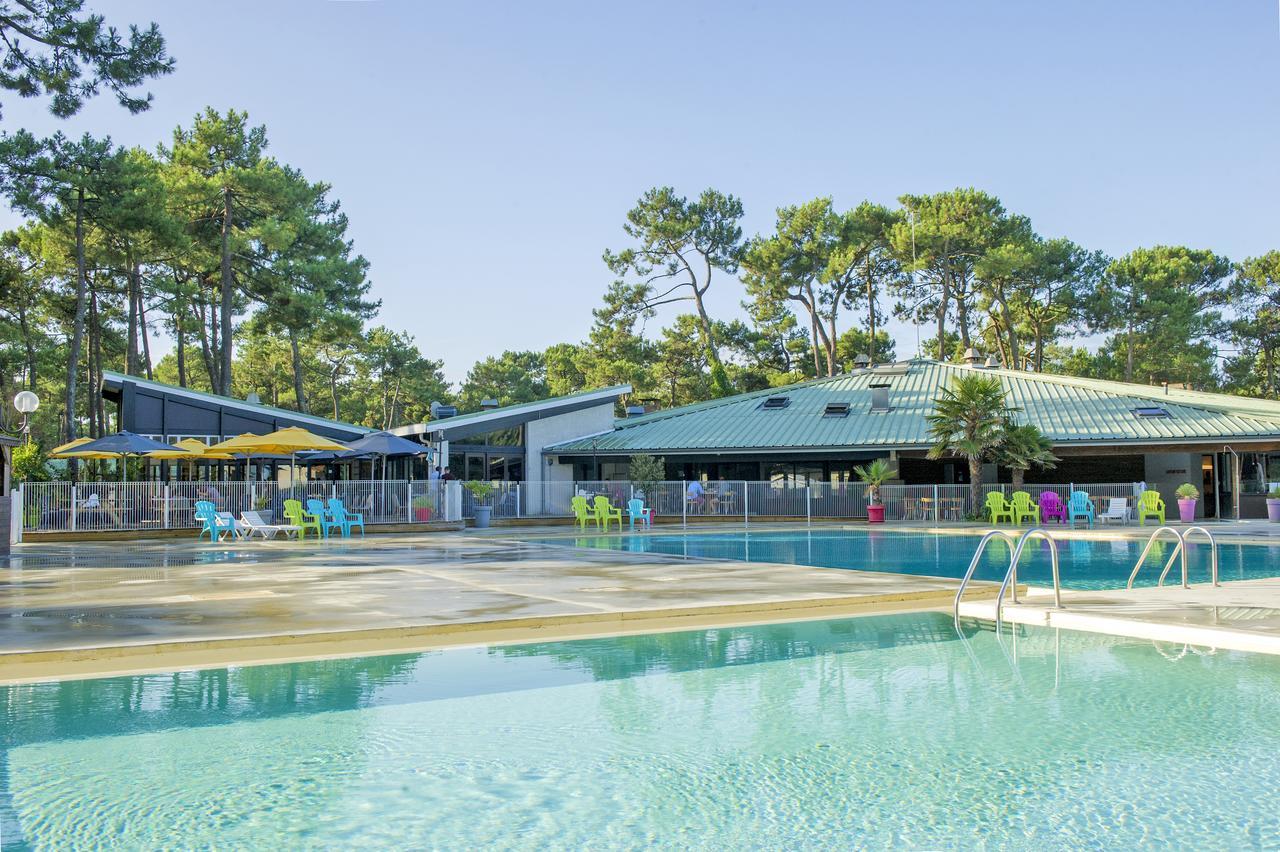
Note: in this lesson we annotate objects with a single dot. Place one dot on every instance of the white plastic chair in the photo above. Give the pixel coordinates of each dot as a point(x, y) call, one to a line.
point(1117, 510)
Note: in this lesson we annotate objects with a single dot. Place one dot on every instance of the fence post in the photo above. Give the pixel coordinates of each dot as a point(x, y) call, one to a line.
point(333, 489)
point(74, 510)
point(166, 506)
point(684, 507)
point(519, 487)
point(808, 507)
point(408, 501)
point(937, 506)
point(746, 505)
point(18, 505)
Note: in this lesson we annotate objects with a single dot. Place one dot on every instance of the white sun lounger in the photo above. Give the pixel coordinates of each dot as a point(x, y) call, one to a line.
point(253, 524)
point(1117, 510)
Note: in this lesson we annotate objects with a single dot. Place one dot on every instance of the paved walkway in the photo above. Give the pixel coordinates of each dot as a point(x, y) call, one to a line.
point(78, 609)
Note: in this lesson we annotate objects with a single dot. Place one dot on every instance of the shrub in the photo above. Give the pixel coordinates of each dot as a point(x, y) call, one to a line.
point(1187, 491)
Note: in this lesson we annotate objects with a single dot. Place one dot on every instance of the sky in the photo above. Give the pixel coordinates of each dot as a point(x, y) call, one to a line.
point(487, 153)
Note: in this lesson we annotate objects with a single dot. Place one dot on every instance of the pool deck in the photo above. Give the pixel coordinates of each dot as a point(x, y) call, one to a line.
point(1242, 615)
point(92, 609)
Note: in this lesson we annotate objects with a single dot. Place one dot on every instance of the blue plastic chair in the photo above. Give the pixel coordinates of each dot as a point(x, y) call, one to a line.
point(316, 509)
point(211, 522)
point(1080, 507)
point(344, 519)
point(636, 511)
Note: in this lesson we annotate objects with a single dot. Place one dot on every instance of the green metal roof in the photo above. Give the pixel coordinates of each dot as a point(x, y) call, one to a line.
point(1069, 410)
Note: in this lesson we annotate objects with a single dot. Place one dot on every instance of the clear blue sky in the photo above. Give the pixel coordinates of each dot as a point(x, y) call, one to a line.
point(487, 153)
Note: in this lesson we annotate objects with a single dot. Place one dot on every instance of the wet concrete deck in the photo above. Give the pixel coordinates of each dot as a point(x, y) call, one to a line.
point(79, 609)
point(1242, 615)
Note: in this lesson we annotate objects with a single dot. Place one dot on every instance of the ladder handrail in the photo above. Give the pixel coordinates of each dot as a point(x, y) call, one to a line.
point(973, 566)
point(1150, 544)
point(1012, 573)
point(1179, 550)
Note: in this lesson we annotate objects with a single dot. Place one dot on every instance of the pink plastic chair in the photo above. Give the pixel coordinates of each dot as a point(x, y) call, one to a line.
point(1051, 506)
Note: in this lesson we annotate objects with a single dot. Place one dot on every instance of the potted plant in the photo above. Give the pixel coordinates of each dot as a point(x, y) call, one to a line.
point(1273, 505)
point(874, 475)
point(260, 504)
point(1187, 496)
point(481, 491)
point(422, 508)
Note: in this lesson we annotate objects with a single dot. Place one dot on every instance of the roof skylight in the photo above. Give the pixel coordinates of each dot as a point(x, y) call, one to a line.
point(1150, 411)
point(775, 402)
point(836, 409)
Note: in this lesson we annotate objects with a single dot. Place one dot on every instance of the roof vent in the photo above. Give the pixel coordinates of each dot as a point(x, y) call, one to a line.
point(253, 398)
point(836, 409)
point(879, 397)
point(635, 411)
point(862, 361)
point(439, 411)
point(973, 357)
point(1151, 411)
point(775, 402)
point(488, 403)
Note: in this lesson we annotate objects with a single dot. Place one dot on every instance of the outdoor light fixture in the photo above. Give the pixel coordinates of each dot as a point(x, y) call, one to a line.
point(26, 402)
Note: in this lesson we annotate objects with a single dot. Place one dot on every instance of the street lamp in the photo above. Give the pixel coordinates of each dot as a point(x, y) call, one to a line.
point(26, 402)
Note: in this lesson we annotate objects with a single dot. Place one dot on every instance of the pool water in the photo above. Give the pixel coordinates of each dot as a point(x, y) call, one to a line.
point(1083, 564)
point(878, 732)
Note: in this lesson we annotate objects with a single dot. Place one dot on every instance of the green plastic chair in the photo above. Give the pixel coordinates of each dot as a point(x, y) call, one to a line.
point(582, 512)
point(1150, 505)
point(605, 511)
point(298, 518)
point(998, 507)
point(1023, 507)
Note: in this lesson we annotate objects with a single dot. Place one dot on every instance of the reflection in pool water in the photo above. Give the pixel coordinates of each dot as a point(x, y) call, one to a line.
point(879, 731)
point(1086, 564)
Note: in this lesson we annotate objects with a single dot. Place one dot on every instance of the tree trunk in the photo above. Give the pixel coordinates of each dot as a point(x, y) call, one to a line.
point(206, 351)
point(131, 345)
point(180, 336)
point(871, 315)
point(1128, 362)
point(1019, 477)
point(975, 485)
point(296, 351)
point(333, 391)
point(226, 294)
point(77, 326)
point(943, 300)
point(24, 323)
point(142, 332)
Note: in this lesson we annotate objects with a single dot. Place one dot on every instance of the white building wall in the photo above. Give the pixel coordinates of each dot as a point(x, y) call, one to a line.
point(554, 430)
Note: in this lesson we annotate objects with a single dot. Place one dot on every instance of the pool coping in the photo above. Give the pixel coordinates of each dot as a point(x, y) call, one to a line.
point(146, 657)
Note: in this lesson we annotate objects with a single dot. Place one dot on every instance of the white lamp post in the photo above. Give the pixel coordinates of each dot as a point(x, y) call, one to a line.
point(26, 402)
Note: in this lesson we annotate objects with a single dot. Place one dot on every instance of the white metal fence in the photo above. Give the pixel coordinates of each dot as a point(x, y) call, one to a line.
point(62, 506)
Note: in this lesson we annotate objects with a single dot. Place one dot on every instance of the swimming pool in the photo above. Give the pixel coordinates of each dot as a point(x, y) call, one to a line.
point(872, 732)
point(1084, 564)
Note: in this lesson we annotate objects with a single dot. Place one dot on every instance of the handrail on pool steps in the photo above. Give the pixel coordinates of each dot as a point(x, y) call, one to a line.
point(1179, 549)
point(1011, 575)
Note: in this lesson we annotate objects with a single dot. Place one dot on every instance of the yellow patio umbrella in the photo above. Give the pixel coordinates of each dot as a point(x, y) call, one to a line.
point(190, 449)
point(291, 439)
point(64, 451)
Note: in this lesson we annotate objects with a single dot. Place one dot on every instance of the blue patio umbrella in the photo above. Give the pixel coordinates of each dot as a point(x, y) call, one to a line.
point(123, 444)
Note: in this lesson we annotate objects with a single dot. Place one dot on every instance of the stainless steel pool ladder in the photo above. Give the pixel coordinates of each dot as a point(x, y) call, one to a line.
point(1011, 575)
point(1179, 549)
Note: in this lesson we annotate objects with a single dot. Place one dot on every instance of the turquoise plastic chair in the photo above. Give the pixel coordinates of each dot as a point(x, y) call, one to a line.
point(211, 522)
point(637, 511)
point(1080, 507)
point(344, 519)
point(316, 509)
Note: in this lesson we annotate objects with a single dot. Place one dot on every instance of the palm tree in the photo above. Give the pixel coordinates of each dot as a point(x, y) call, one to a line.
point(1024, 447)
point(968, 421)
point(873, 476)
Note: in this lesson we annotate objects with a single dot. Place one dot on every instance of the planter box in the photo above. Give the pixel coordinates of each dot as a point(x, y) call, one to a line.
point(483, 513)
point(422, 514)
point(875, 514)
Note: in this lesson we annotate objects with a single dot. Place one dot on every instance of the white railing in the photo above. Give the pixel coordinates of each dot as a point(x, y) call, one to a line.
point(62, 506)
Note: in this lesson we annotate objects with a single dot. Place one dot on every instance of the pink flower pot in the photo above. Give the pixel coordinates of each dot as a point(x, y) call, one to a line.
point(875, 514)
point(1187, 509)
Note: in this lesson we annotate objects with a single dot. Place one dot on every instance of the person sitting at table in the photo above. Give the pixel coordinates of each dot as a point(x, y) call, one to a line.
point(694, 494)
